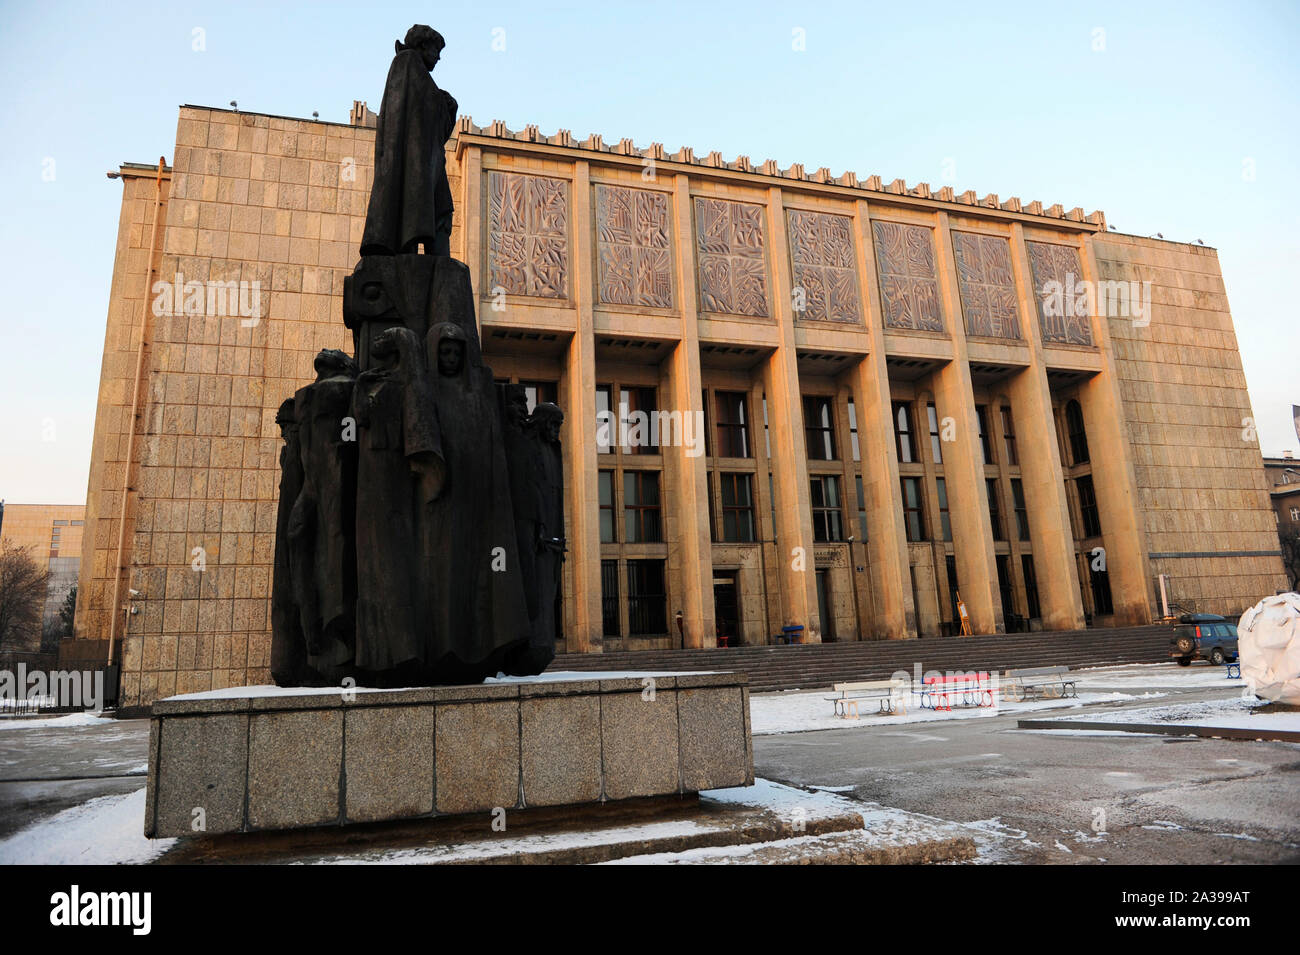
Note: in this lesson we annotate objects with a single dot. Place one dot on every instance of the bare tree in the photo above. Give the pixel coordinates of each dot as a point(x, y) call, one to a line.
point(23, 584)
point(1290, 537)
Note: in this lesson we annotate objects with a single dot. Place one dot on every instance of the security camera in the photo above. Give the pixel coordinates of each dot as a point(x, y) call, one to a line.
point(135, 593)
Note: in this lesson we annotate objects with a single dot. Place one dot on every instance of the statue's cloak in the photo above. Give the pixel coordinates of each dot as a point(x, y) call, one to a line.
point(410, 202)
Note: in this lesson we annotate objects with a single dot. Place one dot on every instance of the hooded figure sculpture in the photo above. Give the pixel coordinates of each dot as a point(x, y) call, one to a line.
point(410, 202)
point(470, 548)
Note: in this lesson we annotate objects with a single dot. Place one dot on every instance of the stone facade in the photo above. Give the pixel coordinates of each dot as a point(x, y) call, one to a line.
point(892, 412)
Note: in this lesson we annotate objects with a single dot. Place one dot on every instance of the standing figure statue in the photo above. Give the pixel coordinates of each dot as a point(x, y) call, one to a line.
point(410, 201)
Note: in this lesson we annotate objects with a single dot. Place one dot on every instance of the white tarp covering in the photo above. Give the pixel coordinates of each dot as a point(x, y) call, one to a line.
point(1268, 641)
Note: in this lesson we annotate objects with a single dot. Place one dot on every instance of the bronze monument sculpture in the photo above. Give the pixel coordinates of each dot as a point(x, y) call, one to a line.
point(420, 530)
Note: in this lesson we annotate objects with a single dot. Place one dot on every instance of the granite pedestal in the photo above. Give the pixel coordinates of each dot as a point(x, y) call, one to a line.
point(263, 758)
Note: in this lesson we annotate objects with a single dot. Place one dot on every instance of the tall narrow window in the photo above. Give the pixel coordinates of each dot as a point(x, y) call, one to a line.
point(913, 509)
point(862, 510)
point(539, 391)
point(1003, 562)
point(767, 435)
point(986, 445)
point(826, 514)
point(853, 431)
point(1088, 507)
point(903, 432)
point(995, 511)
point(608, 522)
point(1031, 585)
point(819, 428)
point(737, 508)
point(636, 412)
point(1078, 436)
point(936, 450)
point(1022, 512)
point(647, 597)
point(733, 425)
point(609, 598)
point(945, 522)
point(1009, 437)
point(606, 420)
point(641, 507)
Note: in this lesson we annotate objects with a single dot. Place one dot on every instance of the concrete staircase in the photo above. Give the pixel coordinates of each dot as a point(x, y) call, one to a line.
point(821, 664)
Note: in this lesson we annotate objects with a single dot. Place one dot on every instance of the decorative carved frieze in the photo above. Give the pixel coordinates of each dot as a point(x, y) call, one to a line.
point(732, 265)
point(633, 247)
point(988, 288)
point(821, 253)
point(528, 236)
point(909, 286)
point(1058, 276)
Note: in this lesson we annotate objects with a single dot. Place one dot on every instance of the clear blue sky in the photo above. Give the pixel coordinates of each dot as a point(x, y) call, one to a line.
point(1154, 129)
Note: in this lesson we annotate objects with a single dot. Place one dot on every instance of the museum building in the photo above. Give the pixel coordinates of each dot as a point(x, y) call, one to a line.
point(863, 399)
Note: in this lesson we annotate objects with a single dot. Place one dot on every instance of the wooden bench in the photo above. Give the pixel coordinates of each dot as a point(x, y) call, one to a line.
point(970, 689)
point(891, 695)
point(1031, 682)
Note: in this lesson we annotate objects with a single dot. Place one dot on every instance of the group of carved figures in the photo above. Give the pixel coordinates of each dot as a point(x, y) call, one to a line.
point(420, 531)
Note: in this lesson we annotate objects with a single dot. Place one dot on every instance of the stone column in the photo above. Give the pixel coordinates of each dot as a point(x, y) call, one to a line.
point(1113, 477)
point(687, 473)
point(789, 454)
point(893, 612)
point(963, 462)
point(579, 435)
point(1040, 464)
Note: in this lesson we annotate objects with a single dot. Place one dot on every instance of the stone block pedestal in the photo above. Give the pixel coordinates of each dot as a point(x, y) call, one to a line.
point(262, 758)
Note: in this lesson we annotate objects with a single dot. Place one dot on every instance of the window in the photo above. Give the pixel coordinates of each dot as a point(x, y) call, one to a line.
point(1022, 512)
point(862, 510)
point(539, 391)
point(1031, 586)
point(913, 509)
point(608, 523)
point(995, 511)
point(827, 520)
point(1009, 437)
point(609, 598)
point(1295, 513)
point(945, 522)
point(1003, 562)
point(1088, 507)
point(936, 450)
point(767, 435)
point(641, 507)
point(1078, 436)
point(903, 432)
point(647, 598)
point(606, 433)
point(737, 508)
point(733, 425)
point(819, 428)
point(986, 445)
point(853, 433)
point(636, 414)
point(60, 523)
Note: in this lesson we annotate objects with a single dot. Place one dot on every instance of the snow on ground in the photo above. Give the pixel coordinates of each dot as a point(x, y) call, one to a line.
point(1198, 676)
point(57, 722)
point(104, 831)
point(795, 712)
point(1234, 713)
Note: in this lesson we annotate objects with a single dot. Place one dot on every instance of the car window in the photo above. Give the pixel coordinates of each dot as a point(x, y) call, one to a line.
point(1229, 631)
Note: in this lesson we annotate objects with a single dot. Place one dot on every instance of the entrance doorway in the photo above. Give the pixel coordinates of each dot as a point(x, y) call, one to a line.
point(726, 609)
point(824, 605)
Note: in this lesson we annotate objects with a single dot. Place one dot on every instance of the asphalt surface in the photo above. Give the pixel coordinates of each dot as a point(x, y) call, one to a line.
point(1034, 796)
